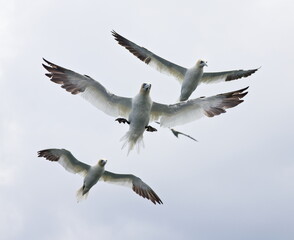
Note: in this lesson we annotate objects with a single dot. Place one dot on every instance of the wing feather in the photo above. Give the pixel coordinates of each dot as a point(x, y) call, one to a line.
point(214, 77)
point(191, 110)
point(134, 182)
point(151, 59)
point(90, 89)
point(65, 159)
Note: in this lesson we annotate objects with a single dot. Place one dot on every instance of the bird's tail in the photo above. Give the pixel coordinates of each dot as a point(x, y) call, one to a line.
point(131, 140)
point(82, 193)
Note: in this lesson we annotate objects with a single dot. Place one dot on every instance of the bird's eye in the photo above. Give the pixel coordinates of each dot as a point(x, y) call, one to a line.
point(201, 62)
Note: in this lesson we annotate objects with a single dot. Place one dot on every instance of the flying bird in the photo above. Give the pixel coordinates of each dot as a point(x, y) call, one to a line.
point(97, 172)
point(140, 110)
point(189, 78)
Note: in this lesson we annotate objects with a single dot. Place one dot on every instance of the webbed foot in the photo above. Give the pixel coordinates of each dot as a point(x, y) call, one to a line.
point(150, 129)
point(122, 120)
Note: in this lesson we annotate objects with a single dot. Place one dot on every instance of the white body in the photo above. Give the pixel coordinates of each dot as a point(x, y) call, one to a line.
point(139, 118)
point(191, 81)
point(188, 78)
point(93, 174)
point(141, 109)
point(92, 177)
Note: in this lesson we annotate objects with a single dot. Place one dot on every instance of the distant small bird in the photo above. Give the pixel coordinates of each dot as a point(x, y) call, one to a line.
point(140, 110)
point(189, 78)
point(92, 174)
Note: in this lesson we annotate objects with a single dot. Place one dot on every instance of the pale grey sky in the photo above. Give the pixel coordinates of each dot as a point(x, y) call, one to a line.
point(236, 183)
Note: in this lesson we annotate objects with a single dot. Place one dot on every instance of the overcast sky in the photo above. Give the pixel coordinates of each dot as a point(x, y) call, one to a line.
point(236, 183)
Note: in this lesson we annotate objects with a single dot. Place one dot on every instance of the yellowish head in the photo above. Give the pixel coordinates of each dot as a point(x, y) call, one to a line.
point(201, 63)
point(102, 162)
point(145, 88)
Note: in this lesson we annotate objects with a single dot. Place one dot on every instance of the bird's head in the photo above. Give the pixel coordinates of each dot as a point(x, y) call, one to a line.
point(201, 63)
point(145, 88)
point(102, 162)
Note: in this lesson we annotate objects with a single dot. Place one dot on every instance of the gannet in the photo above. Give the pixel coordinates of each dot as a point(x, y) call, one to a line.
point(97, 172)
point(140, 110)
point(189, 78)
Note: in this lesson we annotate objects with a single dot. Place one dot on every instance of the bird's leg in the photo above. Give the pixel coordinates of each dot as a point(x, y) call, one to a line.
point(177, 133)
point(150, 129)
point(122, 120)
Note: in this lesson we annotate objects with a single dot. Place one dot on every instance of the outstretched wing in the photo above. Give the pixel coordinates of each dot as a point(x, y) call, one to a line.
point(188, 111)
point(214, 77)
point(134, 182)
point(151, 59)
point(66, 159)
point(90, 89)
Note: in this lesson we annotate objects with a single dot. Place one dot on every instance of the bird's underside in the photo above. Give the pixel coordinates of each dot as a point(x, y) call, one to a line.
point(179, 72)
point(120, 107)
point(148, 128)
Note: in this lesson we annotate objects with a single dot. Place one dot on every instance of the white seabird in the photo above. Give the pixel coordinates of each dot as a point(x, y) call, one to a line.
point(95, 173)
point(141, 110)
point(189, 78)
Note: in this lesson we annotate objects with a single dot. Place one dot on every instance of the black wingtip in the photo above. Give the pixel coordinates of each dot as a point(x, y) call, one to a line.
point(49, 63)
point(244, 89)
point(46, 67)
point(46, 61)
point(116, 35)
point(46, 153)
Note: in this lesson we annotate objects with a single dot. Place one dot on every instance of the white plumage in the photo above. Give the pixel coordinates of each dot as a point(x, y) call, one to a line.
point(140, 110)
point(92, 174)
point(189, 78)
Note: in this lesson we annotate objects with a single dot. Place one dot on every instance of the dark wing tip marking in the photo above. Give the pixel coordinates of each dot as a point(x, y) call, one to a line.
point(240, 73)
point(229, 100)
point(149, 194)
point(147, 60)
point(48, 155)
point(131, 47)
point(58, 75)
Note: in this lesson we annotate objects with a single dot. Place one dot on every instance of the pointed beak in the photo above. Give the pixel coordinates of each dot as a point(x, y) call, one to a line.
point(205, 64)
point(103, 163)
point(147, 86)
